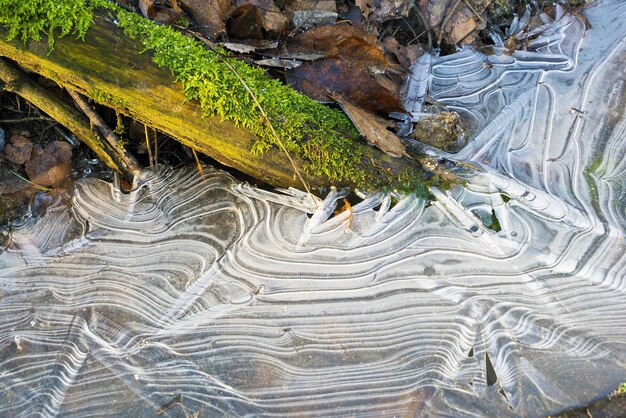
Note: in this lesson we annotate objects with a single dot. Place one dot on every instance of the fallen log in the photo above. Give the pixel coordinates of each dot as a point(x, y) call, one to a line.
point(109, 68)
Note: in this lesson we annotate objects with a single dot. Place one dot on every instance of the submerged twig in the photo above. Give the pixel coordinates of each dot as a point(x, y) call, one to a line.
point(426, 27)
point(468, 4)
point(150, 156)
point(33, 184)
point(28, 119)
point(445, 21)
point(198, 164)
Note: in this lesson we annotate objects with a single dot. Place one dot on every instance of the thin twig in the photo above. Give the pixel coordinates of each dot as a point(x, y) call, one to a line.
point(148, 146)
point(475, 12)
point(127, 158)
point(445, 21)
point(269, 123)
point(156, 147)
point(28, 119)
point(426, 27)
point(198, 164)
point(212, 47)
point(35, 185)
point(410, 28)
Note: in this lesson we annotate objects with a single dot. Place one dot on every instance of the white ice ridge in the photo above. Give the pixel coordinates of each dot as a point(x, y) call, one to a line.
point(196, 294)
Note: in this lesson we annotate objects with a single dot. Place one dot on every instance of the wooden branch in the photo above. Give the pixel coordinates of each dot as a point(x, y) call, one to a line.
point(19, 83)
point(108, 67)
point(109, 135)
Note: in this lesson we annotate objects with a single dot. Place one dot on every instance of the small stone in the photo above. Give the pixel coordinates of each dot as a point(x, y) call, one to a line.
point(443, 130)
point(19, 149)
point(50, 166)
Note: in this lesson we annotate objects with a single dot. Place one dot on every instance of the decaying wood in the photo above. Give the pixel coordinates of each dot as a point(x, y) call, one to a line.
point(109, 65)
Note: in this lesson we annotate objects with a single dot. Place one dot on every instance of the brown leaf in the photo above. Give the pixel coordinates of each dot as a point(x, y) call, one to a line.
point(373, 128)
point(50, 166)
point(272, 18)
point(345, 42)
point(208, 14)
point(316, 78)
point(406, 55)
point(175, 7)
point(160, 12)
point(454, 20)
point(249, 45)
point(317, 5)
point(147, 8)
point(246, 22)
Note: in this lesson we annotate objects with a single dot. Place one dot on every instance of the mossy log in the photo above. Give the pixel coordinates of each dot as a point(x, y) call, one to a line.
point(110, 68)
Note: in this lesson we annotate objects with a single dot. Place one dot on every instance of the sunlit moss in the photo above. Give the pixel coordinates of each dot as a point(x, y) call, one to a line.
point(29, 19)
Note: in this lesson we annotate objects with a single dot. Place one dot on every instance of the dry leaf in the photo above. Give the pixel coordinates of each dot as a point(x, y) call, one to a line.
point(308, 14)
point(147, 8)
point(406, 55)
point(51, 165)
point(279, 63)
point(459, 18)
point(345, 42)
point(249, 45)
point(372, 128)
point(175, 7)
point(240, 48)
point(272, 18)
point(208, 14)
point(355, 83)
point(246, 22)
point(318, 5)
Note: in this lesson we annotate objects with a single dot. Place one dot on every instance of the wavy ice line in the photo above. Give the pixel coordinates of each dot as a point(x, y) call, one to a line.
point(197, 294)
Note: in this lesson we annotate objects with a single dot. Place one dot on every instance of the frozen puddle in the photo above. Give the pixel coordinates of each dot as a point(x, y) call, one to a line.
point(199, 295)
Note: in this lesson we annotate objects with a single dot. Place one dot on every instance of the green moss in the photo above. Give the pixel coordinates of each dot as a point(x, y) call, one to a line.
point(107, 99)
point(590, 173)
point(30, 19)
point(621, 389)
point(499, 9)
point(495, 222)
point(323, 137)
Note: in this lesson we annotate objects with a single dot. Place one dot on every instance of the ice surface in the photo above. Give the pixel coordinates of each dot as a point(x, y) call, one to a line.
point(199, 295)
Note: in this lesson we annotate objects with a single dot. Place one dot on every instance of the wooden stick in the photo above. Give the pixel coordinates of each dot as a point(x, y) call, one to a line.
point(16, 81)
point(129, 162)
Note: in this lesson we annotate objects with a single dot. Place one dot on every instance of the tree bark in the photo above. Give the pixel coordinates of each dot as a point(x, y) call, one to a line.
point(109, 68)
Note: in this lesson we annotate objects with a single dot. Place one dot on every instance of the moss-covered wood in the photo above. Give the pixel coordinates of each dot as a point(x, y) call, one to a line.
point(108, 67)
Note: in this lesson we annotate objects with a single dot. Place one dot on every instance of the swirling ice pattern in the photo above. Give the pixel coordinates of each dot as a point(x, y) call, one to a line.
point(199, 295)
